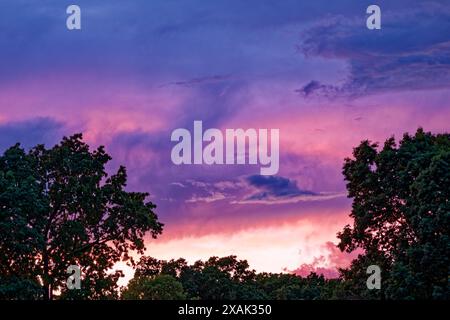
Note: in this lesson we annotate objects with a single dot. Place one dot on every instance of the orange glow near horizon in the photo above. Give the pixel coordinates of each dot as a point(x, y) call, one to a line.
point(268, 248)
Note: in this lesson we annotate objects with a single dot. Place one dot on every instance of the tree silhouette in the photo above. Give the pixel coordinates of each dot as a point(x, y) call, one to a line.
point(160, 287)
point(401, 214)
point(226, 278)
point(59, 208)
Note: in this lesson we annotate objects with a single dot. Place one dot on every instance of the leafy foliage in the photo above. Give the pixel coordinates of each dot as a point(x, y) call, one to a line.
point(401, 214)
point(227, 278)
point(58, 207)
point(160, 287)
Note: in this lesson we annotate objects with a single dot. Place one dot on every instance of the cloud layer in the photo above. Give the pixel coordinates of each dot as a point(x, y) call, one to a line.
point(138, 70)
point(410, 52)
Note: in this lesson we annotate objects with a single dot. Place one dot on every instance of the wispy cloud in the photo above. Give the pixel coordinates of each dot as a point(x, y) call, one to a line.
point(198, 81)
point(214, 196)
point(272, 190)
point(179, 184)
point(273, 200)
point(255, 189)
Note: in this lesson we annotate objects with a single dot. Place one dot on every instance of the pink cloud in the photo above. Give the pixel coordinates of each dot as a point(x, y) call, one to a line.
point(205, 218)
point(270, 247)
point(328, 263)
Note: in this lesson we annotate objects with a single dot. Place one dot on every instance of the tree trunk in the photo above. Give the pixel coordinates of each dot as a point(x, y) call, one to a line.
point(45, 278)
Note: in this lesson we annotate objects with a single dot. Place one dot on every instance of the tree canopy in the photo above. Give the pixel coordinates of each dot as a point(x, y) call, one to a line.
point(401, 213)
point(160, 287)
point(59, 207)
point(225, 278)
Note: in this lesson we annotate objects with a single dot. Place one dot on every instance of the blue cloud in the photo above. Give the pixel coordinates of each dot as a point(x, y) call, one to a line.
point(274, 186)
point(171, 39)
point(410, 52)
point(30, 133)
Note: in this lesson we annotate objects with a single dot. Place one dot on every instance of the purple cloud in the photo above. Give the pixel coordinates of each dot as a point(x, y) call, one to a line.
point(410, 52)
point(269, 190)
point(30, 132)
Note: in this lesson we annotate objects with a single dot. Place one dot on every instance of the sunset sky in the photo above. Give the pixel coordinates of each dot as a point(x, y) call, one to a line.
point(140, 69)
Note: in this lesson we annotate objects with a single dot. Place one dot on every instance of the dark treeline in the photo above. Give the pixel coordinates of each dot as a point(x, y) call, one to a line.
point(223, 278)
point(59, 207)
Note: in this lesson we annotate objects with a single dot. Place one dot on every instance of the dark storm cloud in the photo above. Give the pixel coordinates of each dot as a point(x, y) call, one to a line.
point(274, 186)
point(30, 133)
point(411, 51)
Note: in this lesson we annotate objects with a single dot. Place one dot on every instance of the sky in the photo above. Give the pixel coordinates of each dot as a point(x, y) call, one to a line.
point(137, 70)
